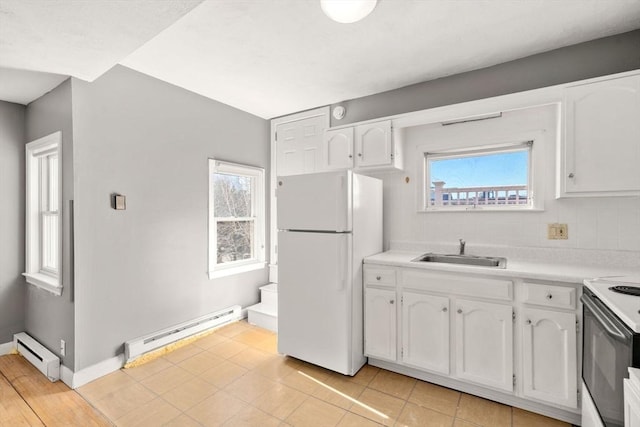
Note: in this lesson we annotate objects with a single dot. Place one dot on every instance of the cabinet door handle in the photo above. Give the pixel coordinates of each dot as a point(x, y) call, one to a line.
point(378, 277)
point(571, 175)
point(359, 154)
point(549, 296)
point(459, 311)
point(392, 301)
point(528, 322)
point(351, 156)
point(445, 309)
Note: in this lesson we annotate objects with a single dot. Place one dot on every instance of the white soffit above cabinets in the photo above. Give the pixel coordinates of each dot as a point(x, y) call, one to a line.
point(276, 57)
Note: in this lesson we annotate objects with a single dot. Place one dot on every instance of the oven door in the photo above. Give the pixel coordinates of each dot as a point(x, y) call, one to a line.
point(607, 354)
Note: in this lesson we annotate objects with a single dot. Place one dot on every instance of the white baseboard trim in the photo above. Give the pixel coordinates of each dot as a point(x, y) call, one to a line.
point(86, 375)
point(66, 376)
point(6, 348)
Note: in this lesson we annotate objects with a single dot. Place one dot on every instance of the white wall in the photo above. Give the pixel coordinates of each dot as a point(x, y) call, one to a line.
point(12, 174)
point(145, 268)
point(594, 223)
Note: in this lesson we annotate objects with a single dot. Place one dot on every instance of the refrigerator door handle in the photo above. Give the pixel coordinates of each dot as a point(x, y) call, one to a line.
point(342, 256)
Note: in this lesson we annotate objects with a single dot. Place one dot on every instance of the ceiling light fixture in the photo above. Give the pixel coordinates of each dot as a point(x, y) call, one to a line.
point(347, 11)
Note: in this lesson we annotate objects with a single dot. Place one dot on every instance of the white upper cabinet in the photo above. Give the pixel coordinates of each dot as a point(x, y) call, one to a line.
point(299, 146)
point(374, 145)
point(337, 149)
point(370, 146)
point(600, 153)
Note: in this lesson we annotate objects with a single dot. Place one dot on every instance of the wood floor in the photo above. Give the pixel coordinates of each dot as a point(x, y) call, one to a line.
point(28, 398)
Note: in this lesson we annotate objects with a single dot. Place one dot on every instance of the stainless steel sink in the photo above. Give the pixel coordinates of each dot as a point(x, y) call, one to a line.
point(479, 261)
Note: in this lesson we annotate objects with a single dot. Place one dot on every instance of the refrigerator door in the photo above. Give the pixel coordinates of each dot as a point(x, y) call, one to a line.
point(314, 299)
point(318, 201)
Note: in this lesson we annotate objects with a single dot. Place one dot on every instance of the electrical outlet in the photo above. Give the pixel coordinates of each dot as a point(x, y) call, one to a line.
point(557, 231)
point(63, 347)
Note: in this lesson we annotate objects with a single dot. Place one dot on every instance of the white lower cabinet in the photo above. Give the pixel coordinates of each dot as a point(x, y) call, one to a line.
point(549, 359)
point(425, 331)
point(484, 343)
point(380, 323)
point(632, 398)
point(514, 339)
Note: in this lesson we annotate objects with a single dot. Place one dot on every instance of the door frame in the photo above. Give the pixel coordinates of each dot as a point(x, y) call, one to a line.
point(273, 184)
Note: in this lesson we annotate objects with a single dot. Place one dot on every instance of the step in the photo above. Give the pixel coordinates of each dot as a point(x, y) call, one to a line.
point(263, 316)
point(269, 296)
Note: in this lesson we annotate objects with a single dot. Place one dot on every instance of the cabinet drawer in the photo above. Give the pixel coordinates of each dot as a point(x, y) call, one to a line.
point(380, 276)
point(458, 284)
point(549, 295)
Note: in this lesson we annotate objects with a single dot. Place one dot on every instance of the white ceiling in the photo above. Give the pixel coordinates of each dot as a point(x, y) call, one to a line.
point(276, 57)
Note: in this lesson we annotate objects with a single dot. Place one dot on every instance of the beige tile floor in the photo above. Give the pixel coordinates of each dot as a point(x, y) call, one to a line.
point(235, 377)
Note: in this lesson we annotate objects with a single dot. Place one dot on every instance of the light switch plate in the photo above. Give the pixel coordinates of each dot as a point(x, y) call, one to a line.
point(118, 202)
point(557, 231)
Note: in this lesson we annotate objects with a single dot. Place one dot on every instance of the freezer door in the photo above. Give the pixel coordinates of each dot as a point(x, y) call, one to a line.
point(314, 299)
point(318, 201)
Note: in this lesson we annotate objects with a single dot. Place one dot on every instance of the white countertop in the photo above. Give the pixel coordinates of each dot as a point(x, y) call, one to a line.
point(561, 272)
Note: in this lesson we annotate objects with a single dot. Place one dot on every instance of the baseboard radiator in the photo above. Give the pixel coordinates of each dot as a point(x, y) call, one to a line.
point(139, 346)
point(46, 362)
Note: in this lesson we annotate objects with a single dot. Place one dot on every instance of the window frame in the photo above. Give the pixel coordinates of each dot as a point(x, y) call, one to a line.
point(39, 190)
point(512, 144)
point(258, 208)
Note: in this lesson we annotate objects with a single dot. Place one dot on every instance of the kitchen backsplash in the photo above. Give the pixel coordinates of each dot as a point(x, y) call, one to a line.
point(604, 226)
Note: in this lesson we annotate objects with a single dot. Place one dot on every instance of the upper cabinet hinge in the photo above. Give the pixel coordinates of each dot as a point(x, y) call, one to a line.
point(513, 315)
point(514, 379)
point(577, 326)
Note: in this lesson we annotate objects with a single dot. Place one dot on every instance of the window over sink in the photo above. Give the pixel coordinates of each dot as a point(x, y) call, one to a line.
point(493, 177)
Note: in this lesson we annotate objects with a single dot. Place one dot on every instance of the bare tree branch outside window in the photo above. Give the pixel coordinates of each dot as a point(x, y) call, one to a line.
point(234, 217)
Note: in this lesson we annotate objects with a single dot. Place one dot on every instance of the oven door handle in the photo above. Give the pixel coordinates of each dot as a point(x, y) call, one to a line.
point(603, 319)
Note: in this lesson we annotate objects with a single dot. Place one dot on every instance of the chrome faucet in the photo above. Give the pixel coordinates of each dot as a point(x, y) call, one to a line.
point(462, 243)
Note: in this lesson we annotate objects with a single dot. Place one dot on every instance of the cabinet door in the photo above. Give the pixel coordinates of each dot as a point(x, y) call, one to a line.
point(298, 146)
point(602, 130)
point(550, 356)
point(337, 149)
point(373, 145)
point(425, 331)
point(484, 343)
point(380, 323)
point(631, 404)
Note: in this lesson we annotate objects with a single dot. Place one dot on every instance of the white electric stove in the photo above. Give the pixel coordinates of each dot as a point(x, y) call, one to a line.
point(625, 306)
point(611, 345)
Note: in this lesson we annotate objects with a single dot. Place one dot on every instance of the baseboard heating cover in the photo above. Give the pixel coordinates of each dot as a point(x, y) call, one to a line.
point(46, 362)
point(139, 346)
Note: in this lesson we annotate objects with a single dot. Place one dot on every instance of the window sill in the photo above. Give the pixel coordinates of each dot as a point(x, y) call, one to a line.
point(481, 209)
point(42, 281)
point(230, 271)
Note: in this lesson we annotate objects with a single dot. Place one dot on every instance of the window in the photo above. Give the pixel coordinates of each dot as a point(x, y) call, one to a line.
point(43, 221)
point(236, 218)
point(493, 178)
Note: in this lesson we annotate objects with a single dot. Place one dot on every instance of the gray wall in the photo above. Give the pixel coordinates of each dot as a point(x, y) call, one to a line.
point(49, 318)
point(599, 57)
point(145, 268)
point(12, 284)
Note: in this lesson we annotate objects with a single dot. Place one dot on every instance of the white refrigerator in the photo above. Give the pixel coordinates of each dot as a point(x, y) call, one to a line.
point(327, 222)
